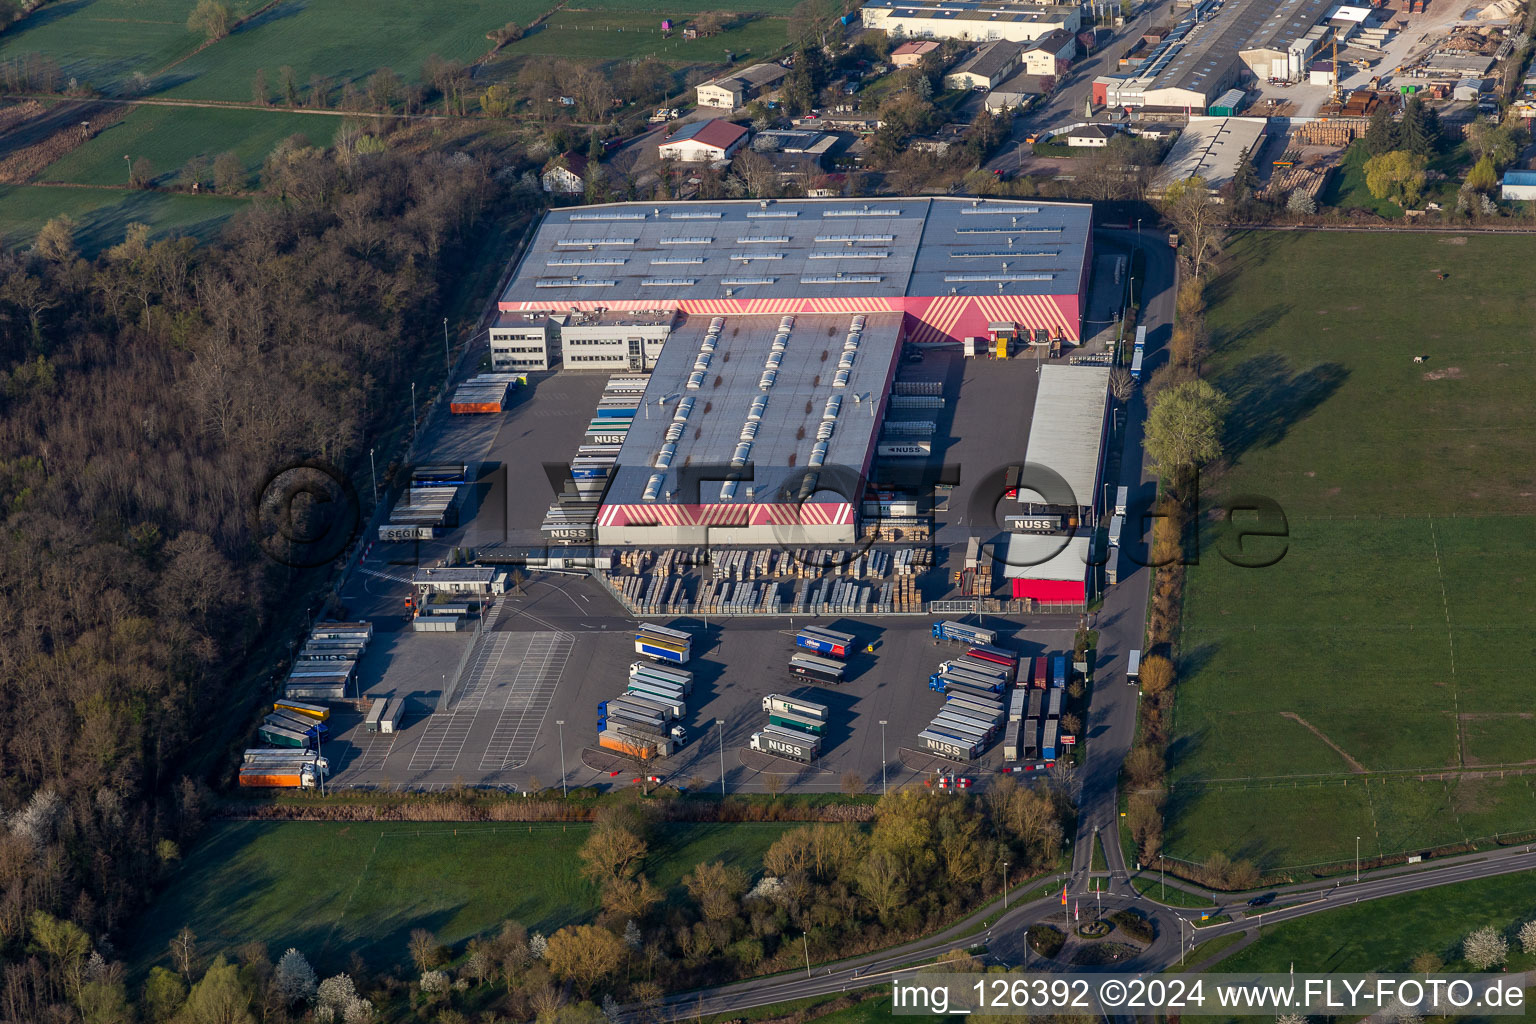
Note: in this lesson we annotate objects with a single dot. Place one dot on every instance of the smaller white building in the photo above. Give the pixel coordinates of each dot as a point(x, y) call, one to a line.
point(703, 142)
point(1519, 185)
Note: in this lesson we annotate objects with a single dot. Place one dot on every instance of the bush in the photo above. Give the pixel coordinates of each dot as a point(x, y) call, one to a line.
point(1045, 940)
point(1134, 925)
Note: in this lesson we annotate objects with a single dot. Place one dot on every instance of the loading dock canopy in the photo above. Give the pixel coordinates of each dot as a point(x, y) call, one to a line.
point(1066, 436)
point(1048, 569)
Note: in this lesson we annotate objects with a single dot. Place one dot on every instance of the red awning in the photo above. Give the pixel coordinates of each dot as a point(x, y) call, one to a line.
point(1050, 591)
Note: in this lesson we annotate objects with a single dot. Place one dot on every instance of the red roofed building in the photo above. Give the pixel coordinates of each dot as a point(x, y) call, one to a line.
point(704, 142)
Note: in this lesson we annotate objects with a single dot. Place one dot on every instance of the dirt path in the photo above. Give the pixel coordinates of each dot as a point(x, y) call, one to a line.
point(1354, 766)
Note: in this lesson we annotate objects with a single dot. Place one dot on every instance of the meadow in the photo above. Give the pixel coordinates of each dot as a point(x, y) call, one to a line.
point(103, 215)
point(105, 42)
point(624, 35)
point(334, 889)
point(1387, 638)
point(170, 136)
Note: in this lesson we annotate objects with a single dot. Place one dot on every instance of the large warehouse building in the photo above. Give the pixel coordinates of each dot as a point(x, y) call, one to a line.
point(771, 331)
point(954, 268)
point(1018, 21)
point(1212, 48)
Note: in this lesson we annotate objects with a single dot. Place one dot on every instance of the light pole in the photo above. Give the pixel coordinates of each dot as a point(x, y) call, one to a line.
point(720, 731)
point(561, 723)
point(373, 472)
point(413, 413)
point(447, 366)
point(884, 790)
point(128, 162)
point(1357, 860)
point(1005, 885)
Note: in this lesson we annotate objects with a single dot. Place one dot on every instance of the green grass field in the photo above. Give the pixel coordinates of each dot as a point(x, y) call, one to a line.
point(626, 35)
point(1387, 638)
point(103, 215)
point(103, 42)
point(330, 889)
point(342, 40)
point(169, 136)
point(1385, 935)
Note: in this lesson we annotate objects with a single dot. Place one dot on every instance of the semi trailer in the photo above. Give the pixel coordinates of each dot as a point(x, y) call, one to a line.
point(825, 641)
point(811, 669)
point(958, 633)
point(796, 746)
point(777, 702)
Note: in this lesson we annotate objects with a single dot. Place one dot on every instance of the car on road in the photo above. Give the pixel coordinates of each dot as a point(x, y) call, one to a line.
point(1262, 901)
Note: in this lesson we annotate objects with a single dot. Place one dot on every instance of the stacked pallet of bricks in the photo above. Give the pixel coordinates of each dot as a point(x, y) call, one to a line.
point(890, 530)
point(484, 393)
point(1287, 180)
point(1331, 133)
point(743, 565)
point(327, 663)
point(739, 597)
point(650, 595)
point(634, 560)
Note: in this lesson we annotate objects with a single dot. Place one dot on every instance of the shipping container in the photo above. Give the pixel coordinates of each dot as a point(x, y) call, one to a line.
point(638, 705)
point(1018, 705)
point(315, 711)
point(1058, 670)
point(641, 686)
point(449, 475)
point(1036, 704)
point(999, 655)
point(1011, 751)
point(957, 633)
point(1048, 740)
point(1042, 673)
point(1053, 704)
point(799, 723)
point(662, 650)
point(279, 736)
point(1133, 667)
point(375, 712)
point(809, 668)
point(948, 746)
point(1122, 499)
point(981, 667)
point(953, 719)
point(1136, 359)
point(959, 716)
point(786, 743)
point(990, 713)
point(393, 718)
point(680, 676)
point(630, 746)
point(674, 709)
point(795, 706)
point(825, 641)
point(308, 726)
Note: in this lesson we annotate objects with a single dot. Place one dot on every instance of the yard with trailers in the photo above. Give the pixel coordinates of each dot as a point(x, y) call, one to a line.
point(1371, 682)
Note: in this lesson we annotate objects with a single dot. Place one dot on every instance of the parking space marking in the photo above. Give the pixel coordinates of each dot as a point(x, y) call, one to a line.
point(443, 739)
point(526, 702)
point(373, 749)
point(395, 575)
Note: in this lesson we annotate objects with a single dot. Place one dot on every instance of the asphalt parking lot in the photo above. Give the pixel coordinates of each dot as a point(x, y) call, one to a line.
point(550, 653)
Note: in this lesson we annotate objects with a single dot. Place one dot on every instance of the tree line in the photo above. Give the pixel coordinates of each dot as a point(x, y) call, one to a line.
point(144, 396)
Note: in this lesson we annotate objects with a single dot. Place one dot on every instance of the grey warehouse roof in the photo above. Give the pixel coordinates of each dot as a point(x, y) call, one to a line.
point(806, 248)
point(786, 427)
point(1066, 430)
point(1197, 52)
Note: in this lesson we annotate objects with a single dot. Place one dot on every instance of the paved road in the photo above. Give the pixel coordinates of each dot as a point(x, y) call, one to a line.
point(1121, 623)
point(1065, 105)
point(1005, 938)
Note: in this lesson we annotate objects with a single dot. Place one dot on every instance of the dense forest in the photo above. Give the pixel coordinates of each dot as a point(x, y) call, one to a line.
point(144, 396)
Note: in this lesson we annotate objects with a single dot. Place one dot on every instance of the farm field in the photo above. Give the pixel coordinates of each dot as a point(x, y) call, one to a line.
point(169, 136)
point(103, 215)
point(1382, 640)
point(320, 37)
point(104, 42)
point(331, 889)
point(1385, 935)
point(625, 35)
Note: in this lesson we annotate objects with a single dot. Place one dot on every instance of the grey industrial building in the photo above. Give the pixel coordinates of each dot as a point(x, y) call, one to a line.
point(1213, 47)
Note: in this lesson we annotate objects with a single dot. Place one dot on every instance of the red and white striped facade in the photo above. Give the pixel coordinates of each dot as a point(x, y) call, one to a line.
point(829, 522)
point(928, 319)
